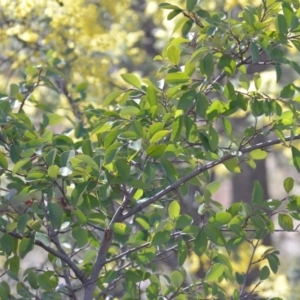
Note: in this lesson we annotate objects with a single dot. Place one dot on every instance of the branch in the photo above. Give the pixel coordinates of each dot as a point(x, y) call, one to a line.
point(99, 263)
point(199, 171)
point(63, 256)
point(31, 90)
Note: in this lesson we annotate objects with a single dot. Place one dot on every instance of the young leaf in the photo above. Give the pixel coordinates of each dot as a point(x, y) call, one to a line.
point(214, 272)
point(257, 81)
point(173, 54)
point(174, 210)
point(177, 78)
point(288, 184)
point(285, 222)
point(132, 79)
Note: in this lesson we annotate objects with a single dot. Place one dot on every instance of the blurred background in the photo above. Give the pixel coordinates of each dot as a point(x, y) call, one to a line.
point(92, 43)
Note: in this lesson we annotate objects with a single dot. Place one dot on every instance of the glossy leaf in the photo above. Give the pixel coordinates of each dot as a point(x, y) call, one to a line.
point(131, 79)
point(174, 210)
point(177, 78)
point(288, 184)
point(214, 272)
point(285, 222)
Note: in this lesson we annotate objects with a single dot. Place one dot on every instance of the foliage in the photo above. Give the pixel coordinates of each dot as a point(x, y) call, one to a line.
point(106, 207)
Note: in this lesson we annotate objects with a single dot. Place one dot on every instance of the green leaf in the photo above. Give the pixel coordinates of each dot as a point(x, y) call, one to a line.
point(201, 105)
point(232, 165)
point(120, 228)
point(273, 262)
point(80, 235)
point(111, 97)
point(6, 243)
point(53, 171)
point(134, 275)
point(186, 100)
point(87, 147)
point(183, 221)
point(146, 256)
point(288, 91)
point(257, 193)
point(19, 165)
point(174, 210)
point(264, 273)
point(182, 252)
point(221, 218)
point(296, 158)
point(257, 80)
point(254, 52)
point(201, 242)
point(213, 139)
point(295, 66)
point(281, 25)
point(54, 119)
point(258, 154)
point(132, 79)
point(285, 222)
point(138, 128)
point(123, 168)
point(214, 272)
point(111, 152)
point(151, 96)
point(22, 222)
point(26, 245)
point(159, 136)
point(173, 14)
point(168, 6)
point(213, 187)
point(288, 184)
point(47, 281)
point(176, 128)
point(173, 54)
point(128, 111)
point(160, 238)
point(55, 215)
point(177, 279)
point(3, 161)
point(227, 64)
point(215, 235)
point(207, 64)
point(50, 157)
point(177, 78)
point(156, 151)
point(278, 72)
point(244, 81)
point(186, 27)
point(257, 108)
point(190, 4)
point(288, 13)
point(76, 196)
